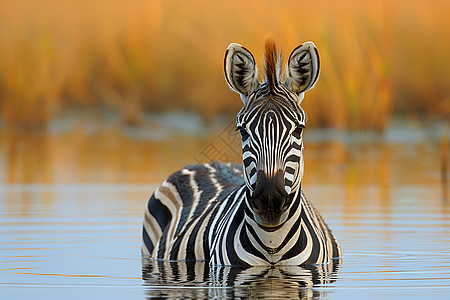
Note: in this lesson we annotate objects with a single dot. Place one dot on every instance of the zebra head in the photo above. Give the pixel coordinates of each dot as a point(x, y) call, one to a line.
point(271, 123)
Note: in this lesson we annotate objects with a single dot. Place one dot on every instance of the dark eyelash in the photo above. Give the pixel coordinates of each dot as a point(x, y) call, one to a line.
point(242, 131)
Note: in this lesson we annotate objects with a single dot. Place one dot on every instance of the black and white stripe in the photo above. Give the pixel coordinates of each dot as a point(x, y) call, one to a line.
point(262, 282)
point(256, 214)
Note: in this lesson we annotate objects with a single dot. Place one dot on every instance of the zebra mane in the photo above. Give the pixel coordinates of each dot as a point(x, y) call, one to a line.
point(272, 64)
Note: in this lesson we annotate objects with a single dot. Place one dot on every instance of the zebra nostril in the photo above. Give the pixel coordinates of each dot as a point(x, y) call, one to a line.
point(287, 201)
point(256, 205)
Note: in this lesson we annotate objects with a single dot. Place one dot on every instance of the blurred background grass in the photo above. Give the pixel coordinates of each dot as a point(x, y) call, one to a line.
point(377, 57)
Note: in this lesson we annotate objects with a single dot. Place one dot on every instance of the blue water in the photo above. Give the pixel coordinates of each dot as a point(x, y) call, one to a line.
point(70, 222)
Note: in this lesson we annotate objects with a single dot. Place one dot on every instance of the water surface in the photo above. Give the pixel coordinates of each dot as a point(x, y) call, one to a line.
point(72, 200)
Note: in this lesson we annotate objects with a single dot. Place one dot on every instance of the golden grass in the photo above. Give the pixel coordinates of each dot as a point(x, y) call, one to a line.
point(444, 153)
point(377, 57)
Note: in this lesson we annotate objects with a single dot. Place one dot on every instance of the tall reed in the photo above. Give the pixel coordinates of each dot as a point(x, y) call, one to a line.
point(378, 57)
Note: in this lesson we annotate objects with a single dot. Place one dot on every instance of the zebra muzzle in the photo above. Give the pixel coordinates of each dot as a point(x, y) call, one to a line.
point(270, 200)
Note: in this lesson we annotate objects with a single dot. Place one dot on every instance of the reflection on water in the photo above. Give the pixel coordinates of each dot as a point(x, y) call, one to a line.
point(72, 201)
point(275, 282)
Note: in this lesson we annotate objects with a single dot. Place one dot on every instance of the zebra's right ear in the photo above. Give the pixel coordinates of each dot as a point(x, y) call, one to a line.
point(240, 70)
point(303, 68)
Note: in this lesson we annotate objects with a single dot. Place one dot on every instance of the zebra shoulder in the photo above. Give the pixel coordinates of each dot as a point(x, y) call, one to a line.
point(170, 205)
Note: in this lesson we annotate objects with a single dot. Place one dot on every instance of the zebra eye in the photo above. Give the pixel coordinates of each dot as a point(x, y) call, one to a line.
point(299, 129)
point(243, 132)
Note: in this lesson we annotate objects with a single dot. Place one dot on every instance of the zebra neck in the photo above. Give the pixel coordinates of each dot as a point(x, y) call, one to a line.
point(272, 244)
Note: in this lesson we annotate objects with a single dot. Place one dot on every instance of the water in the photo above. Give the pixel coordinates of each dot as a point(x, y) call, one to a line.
point(72, 200)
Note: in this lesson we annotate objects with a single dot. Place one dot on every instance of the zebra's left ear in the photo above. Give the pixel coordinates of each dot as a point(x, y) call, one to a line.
point(303, 68)
point(240, 70)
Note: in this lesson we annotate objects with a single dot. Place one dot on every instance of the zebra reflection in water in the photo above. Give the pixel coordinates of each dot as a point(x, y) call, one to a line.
point(197, 280)
point(257, 214)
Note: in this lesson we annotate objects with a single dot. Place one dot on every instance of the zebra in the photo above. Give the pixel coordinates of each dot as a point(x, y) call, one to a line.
point(255, 214)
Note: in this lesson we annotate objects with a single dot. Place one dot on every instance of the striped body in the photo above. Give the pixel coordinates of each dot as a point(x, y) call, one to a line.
point(198, 213)
point(256, 214)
